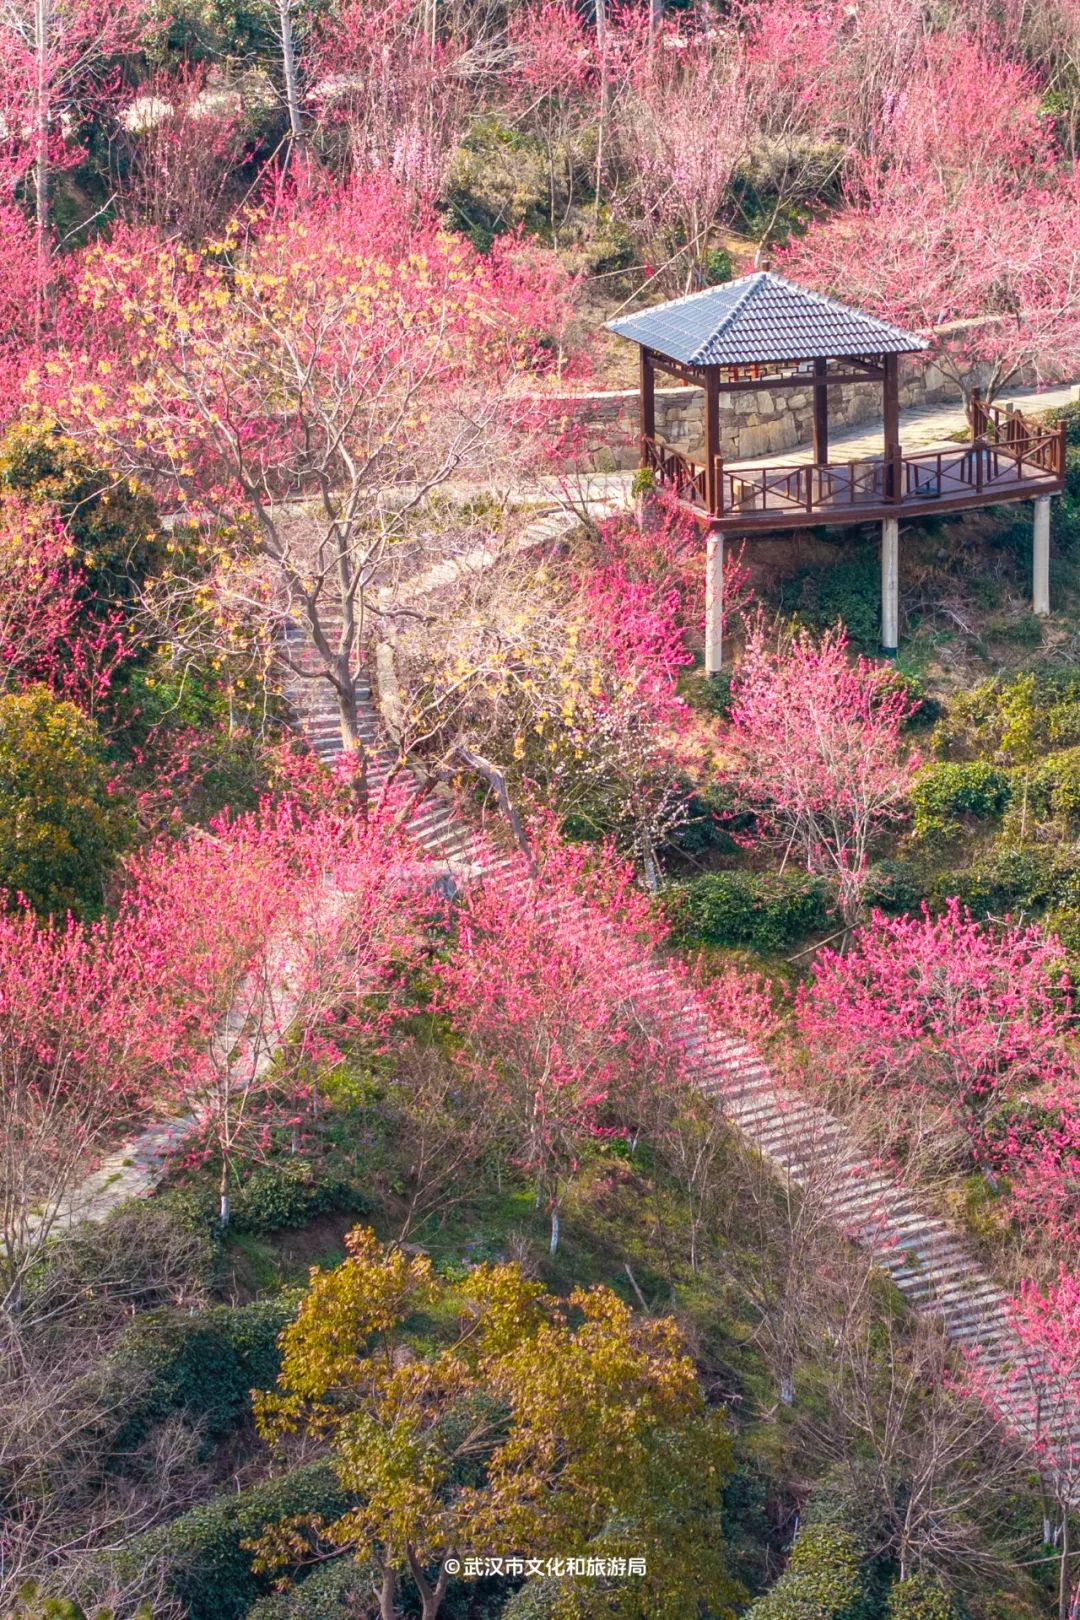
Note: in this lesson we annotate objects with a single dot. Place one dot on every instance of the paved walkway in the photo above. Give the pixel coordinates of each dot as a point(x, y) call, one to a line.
point(922, 427)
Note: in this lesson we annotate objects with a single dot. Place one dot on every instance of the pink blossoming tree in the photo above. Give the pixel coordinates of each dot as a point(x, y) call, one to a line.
point(815, 752)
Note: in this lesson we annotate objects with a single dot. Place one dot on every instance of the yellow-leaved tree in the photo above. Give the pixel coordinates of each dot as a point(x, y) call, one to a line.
point(486, 1418)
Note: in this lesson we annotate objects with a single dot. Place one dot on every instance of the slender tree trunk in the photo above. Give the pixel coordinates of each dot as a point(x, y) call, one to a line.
point(288, 66)
point(224, 1210)
point(1066, 1558)
point(601, 154)
point(388, 1596)
point(42, 19)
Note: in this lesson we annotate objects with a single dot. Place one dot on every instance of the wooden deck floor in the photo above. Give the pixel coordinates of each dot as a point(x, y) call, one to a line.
point(943, 478)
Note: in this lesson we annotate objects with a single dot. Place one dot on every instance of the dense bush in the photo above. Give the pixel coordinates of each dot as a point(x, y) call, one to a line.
point(1023, 878)
point(767, 911)
point(944, 792)
point(206, 1567)
point(290, 1194)
point(1053, 786)
point(114, 526)
point(919, 1597)
point(822, 1581)
point(1011, 721)
point(336, 1591)
point(60, 828)
point(893, 886)
point(846, 591)
point(276, 1196)
point(203, 1366)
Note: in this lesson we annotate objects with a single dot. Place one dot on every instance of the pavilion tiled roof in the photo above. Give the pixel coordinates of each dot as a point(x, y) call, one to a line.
point(760, 317)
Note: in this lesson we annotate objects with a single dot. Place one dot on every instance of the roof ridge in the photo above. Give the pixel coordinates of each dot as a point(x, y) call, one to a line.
point(693, 297)
point(753, 283)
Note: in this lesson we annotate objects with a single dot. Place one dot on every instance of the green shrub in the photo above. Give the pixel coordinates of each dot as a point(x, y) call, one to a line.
point(1053, 786)
point(34, 1604)
point(60, 829)
point(115, 528)
point(336, 1591)
point(204, 1366)
point(718, 266)
point(711, 694)
point(767, 912)
point(822, 1581)
point(205, 1567)
point(847, 591)
point(945, 791)
point(290, 1193)
point(920, 1597)
point(893, 886)
point(1070, 415)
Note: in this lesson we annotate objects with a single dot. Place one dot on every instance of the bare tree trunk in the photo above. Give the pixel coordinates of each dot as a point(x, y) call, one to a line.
point(388, 1596)
point(288, 66)
point(42, 18)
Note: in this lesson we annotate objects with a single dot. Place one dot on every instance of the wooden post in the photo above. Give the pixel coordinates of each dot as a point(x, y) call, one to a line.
point(821, 414)
point(646, 401)
point(890, 586)
point(891, 412)
point(712, 438)
point(1040, 558)
point(714, 602)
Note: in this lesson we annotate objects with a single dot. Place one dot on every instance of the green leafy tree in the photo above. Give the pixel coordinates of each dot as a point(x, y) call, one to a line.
point(60, 828)
point(532, 1429)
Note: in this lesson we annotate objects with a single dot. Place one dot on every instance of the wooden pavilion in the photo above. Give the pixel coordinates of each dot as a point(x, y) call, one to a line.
point(762, 332)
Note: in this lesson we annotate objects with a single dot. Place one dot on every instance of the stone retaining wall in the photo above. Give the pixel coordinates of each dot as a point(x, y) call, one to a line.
point(603, 427)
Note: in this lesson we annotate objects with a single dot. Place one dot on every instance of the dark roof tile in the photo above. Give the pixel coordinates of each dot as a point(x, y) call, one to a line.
point(761, 317)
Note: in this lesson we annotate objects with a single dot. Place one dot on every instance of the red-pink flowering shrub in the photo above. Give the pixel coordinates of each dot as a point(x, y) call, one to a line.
point(815, 752)
point(184, 143)
point(664, 550)
point(540, 990)
point(38, 586)
point(78, 1042)
point(285, 929)
point(943, 1007)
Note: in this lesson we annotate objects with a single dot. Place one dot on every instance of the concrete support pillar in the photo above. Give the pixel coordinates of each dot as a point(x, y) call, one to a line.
point(1040, 558)
point(890, 586)
point(714, 602)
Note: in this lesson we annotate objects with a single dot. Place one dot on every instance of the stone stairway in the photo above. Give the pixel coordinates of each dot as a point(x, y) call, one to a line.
point(928, 1262)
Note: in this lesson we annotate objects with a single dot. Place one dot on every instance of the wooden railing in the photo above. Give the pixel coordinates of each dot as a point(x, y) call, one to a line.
point(1010, 452)
point(677, 472)
point(1009, 432)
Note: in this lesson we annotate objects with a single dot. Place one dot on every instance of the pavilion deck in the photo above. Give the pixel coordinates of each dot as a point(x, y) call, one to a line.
point(1009, 458)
